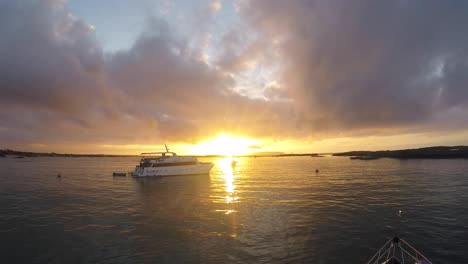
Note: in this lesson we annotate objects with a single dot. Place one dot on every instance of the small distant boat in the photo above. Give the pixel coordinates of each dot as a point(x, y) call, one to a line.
point(398, 251)
point(119, 174)
point(169, 164)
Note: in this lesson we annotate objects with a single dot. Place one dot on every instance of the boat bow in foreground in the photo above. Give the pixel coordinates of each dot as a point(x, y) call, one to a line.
point(398, 251)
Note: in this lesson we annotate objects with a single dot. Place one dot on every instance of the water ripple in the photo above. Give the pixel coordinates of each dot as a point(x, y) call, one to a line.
point(264, 210)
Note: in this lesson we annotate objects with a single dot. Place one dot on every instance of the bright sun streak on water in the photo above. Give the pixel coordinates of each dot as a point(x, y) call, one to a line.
point(228, 174)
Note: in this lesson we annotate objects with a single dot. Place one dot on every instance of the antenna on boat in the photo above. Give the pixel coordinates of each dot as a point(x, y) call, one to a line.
point(167, 149)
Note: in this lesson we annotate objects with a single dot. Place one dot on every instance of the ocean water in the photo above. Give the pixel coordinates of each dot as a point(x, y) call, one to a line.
point(265, 210)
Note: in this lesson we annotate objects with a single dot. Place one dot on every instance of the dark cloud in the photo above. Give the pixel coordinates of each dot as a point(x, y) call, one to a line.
point(368, 64)
point(48, 58)
point(358, 67)
point(57, 86)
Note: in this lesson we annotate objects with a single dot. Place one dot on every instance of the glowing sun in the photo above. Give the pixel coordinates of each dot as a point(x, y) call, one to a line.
point(225, 145)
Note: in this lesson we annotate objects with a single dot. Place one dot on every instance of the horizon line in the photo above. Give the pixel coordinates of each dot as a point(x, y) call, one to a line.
point(266, 153)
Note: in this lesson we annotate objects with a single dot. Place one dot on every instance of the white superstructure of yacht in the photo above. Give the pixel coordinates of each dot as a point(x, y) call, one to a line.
point(169, 164)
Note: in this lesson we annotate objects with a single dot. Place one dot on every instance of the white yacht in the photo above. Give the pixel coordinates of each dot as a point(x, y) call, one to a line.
point(169, 164)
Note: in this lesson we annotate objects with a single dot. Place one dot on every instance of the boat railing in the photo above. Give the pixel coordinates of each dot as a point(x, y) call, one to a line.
point(400, 250)
point(416, 255)
point(157, 153)
point(384, 251)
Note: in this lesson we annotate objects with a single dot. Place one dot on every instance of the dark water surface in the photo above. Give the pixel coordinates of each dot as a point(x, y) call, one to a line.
point(266, 210)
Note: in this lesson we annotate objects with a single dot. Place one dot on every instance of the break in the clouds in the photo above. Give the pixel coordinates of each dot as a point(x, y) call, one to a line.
point(57, 86)
point(369, 64)
point(279, 70)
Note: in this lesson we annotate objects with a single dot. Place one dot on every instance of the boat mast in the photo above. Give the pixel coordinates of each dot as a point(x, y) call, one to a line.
point(167, 149)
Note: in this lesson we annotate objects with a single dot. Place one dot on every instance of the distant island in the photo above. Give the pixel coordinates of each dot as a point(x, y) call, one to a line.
point(22, 154)
point(17, 154)
point(440, 152)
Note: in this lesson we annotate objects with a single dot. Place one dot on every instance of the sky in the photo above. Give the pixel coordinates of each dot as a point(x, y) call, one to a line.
point(232, 76)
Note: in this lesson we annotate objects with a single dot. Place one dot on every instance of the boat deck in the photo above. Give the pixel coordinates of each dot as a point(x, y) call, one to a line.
point(398, 251)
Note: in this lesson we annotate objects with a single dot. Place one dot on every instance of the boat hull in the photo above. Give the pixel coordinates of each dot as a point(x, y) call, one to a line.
point(195, 169)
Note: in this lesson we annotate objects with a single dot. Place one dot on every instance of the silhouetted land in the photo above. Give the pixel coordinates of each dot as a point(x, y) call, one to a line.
point(18, 154)
point(312, 155)
point(21, 154)
point(442, 152)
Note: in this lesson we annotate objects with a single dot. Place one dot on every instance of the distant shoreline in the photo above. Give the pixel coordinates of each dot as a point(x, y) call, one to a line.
point(438, 152)
point(19, 154)
point(16, 153)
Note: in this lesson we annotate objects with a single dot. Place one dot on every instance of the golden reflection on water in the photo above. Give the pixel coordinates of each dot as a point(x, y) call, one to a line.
point(227, 170)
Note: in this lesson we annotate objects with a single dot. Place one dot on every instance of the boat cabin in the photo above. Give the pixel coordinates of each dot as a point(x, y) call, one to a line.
point(158, 155)
point(165, 159)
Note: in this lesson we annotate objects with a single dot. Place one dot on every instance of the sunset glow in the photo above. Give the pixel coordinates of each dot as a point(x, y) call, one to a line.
point(225, 145)
point(238, 131)
point(222, 77)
